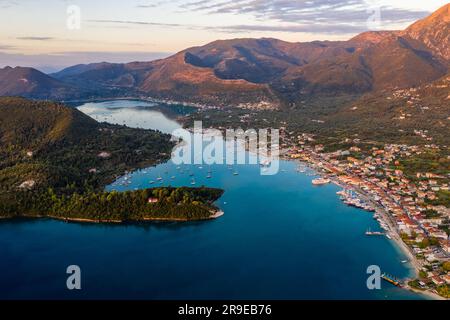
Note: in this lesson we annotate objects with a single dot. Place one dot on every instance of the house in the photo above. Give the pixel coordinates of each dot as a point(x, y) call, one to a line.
point(104, 155)
point(153, 200)
point(29, 184)
point(438, 281)
point(446, 278)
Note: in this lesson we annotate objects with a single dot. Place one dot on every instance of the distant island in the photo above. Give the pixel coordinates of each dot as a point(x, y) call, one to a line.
point(55, 162)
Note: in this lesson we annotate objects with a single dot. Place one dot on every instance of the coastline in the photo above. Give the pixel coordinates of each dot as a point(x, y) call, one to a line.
point(143, 99)
point(214, 215)
point(392, 232)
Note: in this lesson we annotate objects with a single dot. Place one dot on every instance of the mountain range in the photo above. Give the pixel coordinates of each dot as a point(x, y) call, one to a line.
point(249, 71)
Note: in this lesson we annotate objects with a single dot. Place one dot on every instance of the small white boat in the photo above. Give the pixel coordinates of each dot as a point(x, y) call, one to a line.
point(320, 181)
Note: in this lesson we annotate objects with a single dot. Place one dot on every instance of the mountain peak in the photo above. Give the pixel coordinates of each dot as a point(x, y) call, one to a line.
point(434, 31)
point(442, 15)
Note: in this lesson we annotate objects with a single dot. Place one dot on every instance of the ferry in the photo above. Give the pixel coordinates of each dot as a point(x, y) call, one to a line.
point(320, 181)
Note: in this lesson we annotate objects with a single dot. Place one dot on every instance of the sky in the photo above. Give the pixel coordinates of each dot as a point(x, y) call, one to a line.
point(52, 34)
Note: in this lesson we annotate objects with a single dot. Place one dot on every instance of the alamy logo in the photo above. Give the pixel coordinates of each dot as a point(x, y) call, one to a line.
point(374, 280)
point(73, 17)
point(210, 147)
point(74, 280)
point(374, 11)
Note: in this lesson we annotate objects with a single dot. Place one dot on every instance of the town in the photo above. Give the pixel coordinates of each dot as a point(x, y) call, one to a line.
point(406, 206)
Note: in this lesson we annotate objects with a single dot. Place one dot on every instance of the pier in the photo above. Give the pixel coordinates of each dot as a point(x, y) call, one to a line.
point(392, 280)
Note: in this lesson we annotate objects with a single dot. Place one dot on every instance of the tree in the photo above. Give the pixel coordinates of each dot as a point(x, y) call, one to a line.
point(446, 266)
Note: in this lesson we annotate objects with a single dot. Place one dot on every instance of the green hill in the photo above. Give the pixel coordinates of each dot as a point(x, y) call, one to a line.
point(57, 146)
point(55, 162)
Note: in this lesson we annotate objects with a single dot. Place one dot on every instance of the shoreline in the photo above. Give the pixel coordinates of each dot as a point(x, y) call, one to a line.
point(214, 215)
point(400, 245)
point(143, 99)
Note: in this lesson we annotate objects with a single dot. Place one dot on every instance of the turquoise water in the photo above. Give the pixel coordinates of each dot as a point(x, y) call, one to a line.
point(280, 238)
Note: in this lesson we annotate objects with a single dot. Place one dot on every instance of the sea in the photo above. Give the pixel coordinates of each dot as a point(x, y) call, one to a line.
point(280, 237)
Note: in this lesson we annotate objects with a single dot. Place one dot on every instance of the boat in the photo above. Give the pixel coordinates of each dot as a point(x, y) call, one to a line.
point(388, 236)
point(193, 182)
point(235, 173)
point(152, 182)
point(374, 233)
point(159, 178)
point(320, 181)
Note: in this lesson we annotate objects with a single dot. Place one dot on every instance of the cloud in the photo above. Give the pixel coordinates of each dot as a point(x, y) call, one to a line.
point(5, 47)
point(148, 23)
point(5, 4)
point(292, 28)
point(311, 28)
point(323, 15)
point(291, 16)
point(31, 38)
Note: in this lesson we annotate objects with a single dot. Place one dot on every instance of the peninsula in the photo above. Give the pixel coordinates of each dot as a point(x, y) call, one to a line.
point(55, 162)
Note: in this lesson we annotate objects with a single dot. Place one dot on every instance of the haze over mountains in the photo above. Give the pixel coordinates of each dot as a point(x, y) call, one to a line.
point(231, 72)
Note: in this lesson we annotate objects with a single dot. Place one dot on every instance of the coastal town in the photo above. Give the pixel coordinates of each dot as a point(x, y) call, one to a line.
point(406, 207)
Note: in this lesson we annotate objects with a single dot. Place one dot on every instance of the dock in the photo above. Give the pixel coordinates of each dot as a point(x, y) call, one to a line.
point(392, 280)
